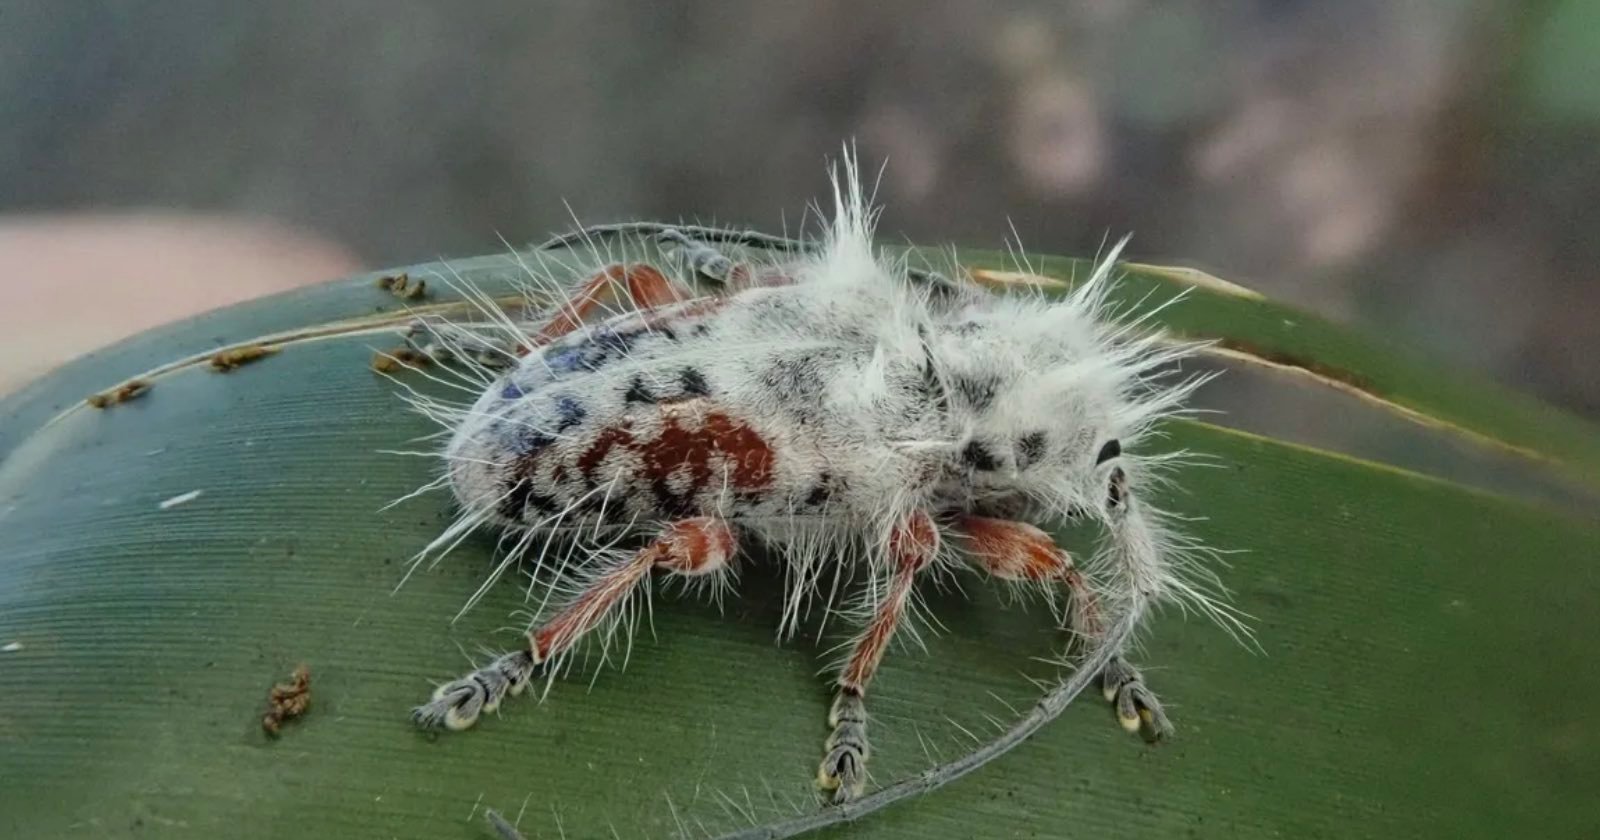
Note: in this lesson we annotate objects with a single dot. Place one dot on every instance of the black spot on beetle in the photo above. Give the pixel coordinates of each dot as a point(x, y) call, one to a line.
point(520, 498)
point(694, 382)
point(821, 493)
point(1119, 487)
point(1112, 449)
point(978, 456)
point(818, 496)
point(1030, 449)
point(515, 500)
point(569, 412)
point(978, 394)
point(528, 441)
point(670, 503)
point(590, 502)
point(638, 392)
point(614, 343)
point(749, 498)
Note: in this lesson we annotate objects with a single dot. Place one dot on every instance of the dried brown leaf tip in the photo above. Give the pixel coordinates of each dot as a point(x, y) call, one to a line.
point(388, 361)
point(995, 279)
point(130, 390)
point(288, 700)
point(402, 286)
point(1287, 359)
point(237, 356)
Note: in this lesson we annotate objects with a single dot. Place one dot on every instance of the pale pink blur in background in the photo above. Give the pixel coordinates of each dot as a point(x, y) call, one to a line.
point(75, 283)
point(1429, 170)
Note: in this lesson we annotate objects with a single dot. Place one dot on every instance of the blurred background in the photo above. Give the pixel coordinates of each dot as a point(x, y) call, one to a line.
point(1425, 168)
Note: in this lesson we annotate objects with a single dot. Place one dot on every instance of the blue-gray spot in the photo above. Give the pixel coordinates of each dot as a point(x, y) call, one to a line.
point(512, 391)
point(569, 412)
point(616, 342)
point(566, 360)
point(532, 441)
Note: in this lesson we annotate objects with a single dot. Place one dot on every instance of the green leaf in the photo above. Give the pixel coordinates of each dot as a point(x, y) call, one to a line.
point(1384, 372)
point(1422, 670)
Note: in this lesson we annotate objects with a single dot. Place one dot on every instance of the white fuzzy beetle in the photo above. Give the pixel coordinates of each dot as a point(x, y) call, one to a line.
point(832, 407)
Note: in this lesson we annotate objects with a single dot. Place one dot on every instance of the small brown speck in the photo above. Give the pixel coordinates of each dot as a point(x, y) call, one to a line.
point(234, 357)
point(288, 700)
point(390, 360)
point(130, 390)
point(402, 286)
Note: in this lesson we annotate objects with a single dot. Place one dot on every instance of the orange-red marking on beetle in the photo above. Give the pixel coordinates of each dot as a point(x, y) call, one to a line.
point(693, 434)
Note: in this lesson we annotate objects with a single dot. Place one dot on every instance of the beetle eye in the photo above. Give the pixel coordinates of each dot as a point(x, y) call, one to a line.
point(1112, 449)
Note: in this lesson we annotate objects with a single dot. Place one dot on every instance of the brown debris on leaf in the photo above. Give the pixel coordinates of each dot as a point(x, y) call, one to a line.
point(234, 357)
point(130, 390)
point(288, 700)
point(387, 361)
point(401, 286)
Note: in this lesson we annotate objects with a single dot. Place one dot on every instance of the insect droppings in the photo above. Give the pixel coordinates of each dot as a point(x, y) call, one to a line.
point(403, 287)
point(835, 404)
point(388, 361)
point(130, 390)
point(234, 357)
point(288, 700)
